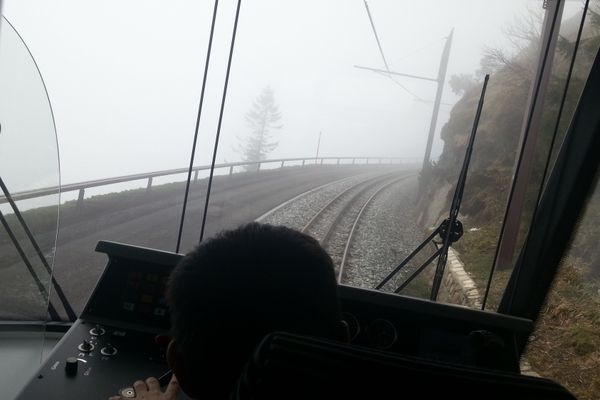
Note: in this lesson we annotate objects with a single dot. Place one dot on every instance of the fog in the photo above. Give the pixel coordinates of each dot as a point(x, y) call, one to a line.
point(124, 77)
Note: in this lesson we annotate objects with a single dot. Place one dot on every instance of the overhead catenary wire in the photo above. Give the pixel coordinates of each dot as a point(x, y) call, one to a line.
point(383, 55)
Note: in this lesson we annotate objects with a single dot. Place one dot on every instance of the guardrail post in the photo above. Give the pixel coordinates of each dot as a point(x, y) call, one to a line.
point(149, 184)
point(303, 161)
point(80, 198)
point(353, 161)
point(322, 159)
point(338, 161)
point(231, 170)
point(282, 163)
point(196, 175)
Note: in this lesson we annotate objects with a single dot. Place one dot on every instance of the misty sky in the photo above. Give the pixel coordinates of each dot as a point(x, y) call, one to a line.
point(124, 77)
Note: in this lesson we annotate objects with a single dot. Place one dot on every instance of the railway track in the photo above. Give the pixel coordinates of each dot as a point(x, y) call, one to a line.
point(327, 220)
point(346, 253)
point(338, 217)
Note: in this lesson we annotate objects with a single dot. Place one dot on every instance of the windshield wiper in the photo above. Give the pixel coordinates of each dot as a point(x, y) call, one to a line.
point(451, 229)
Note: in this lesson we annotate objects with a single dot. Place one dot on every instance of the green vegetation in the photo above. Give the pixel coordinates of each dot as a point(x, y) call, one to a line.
point(566, 344)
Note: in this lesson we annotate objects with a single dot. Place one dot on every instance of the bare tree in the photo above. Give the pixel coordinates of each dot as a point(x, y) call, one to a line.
point(524, 36)
point(461, 83)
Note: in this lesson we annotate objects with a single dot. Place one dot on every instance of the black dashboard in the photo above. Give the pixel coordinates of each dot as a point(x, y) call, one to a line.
point(113, 343)
point(435, 331)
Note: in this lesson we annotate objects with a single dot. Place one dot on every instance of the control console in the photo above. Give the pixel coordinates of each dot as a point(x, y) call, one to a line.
point(117, 340)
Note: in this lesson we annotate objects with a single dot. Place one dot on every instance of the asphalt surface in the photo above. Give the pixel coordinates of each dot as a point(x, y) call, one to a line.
point(152, 219)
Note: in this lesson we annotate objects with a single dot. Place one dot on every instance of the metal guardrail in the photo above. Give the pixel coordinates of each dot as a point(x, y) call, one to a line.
point(81, 186)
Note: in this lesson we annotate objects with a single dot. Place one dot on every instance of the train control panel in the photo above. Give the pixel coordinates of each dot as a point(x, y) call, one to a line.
point(116, 340)
point(118, 337)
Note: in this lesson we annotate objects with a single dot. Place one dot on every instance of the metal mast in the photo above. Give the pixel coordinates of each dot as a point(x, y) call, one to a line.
point(438, 98)
point(441, 77)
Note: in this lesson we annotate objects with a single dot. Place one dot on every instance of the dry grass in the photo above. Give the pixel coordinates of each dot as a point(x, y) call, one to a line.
point(565, 346)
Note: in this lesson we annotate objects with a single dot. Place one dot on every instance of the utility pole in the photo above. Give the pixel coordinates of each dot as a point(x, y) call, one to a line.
point(438, 98)
point(441, 77)
point(318, 145)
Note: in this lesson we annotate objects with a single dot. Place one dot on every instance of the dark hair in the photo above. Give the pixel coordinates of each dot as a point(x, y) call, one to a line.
point(231, 290)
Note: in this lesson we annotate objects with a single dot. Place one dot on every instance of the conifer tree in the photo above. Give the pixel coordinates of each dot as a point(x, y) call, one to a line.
point(263, 119)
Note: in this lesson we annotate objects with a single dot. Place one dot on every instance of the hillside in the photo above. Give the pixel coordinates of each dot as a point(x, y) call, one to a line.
point(566, 345)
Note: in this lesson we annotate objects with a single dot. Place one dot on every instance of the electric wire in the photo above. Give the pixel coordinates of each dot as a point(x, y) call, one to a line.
point(383, 55)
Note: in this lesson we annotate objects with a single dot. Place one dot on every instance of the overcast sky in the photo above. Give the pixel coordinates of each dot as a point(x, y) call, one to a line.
point(124, 77)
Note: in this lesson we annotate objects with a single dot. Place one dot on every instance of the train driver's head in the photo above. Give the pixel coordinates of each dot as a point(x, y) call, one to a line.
point(232, 290)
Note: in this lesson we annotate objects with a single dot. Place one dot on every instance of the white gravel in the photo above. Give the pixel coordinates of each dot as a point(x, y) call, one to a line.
point(386, 234)
point(297, 213)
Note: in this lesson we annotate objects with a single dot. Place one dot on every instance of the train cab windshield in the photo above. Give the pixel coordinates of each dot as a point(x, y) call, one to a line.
point(440, 152)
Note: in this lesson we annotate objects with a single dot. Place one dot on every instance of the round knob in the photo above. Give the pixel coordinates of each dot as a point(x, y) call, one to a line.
point(97, 331)
point(71, 366)
point(128, 393)
point(86, 346)
point(108, 350)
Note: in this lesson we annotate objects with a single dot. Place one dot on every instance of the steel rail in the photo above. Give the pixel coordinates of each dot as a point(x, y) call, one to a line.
point(311, 223)
point(357, 219)
point(344, 211)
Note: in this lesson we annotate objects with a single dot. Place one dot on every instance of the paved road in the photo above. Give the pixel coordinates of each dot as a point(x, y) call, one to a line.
point(152, 219)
